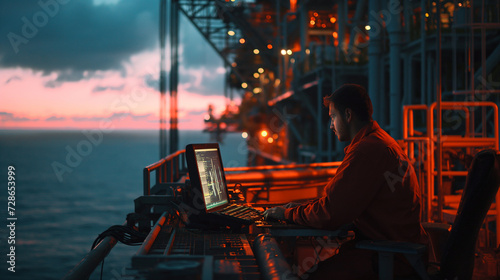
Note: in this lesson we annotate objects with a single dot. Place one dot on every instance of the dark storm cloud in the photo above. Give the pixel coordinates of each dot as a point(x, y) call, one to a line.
point(106, 88)
point(68, 75)
point(10, 117)
point(13, 78)
point(75, 36)
point(198, 112)
point(209, 85)
point(55, 119)
point(152, 81)
point(112, 117)
point(198, 54)
point(75, 39)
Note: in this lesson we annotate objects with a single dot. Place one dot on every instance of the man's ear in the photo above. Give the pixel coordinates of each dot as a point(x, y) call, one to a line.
point(348, 115)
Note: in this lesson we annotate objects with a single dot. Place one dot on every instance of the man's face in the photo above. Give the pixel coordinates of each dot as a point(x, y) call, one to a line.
point(338, 123)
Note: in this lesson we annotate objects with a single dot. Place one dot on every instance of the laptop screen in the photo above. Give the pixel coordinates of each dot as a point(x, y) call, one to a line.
point(208, 173)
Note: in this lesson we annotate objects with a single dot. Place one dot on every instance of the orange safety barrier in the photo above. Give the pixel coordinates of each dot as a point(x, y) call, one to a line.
point(168, 170)
point(421, 146)
point(281, 183)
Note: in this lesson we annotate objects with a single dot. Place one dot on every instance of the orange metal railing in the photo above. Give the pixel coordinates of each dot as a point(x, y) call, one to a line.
point(421, 146)
point(286, 182)
point(167, 170)
point(277, 184)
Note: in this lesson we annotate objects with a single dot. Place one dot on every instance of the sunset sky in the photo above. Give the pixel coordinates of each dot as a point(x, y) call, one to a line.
point(91, 64)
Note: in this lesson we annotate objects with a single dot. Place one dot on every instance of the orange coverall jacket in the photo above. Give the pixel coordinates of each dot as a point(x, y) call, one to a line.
point(375, 188)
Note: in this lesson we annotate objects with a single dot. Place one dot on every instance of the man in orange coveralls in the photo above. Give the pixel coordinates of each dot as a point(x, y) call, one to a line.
point(375, 189)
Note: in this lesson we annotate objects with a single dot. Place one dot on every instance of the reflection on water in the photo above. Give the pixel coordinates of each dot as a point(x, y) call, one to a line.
point(70, 189)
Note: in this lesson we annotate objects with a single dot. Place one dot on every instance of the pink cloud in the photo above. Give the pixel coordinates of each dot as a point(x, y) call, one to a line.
point(127, 101)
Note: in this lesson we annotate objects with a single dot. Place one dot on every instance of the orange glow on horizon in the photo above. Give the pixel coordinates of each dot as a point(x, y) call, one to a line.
point(107, 102)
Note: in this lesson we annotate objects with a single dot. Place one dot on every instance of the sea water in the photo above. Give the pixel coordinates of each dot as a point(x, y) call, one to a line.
point(72, 185)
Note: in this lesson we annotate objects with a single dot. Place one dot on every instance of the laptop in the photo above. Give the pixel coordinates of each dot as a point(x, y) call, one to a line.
point(206, 173)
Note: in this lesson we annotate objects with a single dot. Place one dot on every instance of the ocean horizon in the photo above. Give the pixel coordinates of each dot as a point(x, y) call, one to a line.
point(71, 185)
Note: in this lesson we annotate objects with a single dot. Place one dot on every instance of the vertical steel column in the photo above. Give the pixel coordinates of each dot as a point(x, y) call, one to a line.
point(394, 30)
point(483, 70)
point(174, 74)
point(342, 7)
point(454, 46)
point(472, 53)
point(359, 13)
point(285, 47)
point(278, 46)
point(303, 23)
point(439, 143)
point(329, 135)
point(430, 80)
point(374, 57)
point(383, 96)
point(342, 20)
point(407, 79)
point(163, 79)
point(319, 119)
point(423, 58)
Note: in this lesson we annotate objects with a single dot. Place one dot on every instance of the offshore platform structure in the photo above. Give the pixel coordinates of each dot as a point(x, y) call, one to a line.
point(431, 68)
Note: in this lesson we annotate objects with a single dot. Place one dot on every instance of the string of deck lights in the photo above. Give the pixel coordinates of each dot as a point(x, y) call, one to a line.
point(260, 70)
point(264, 134)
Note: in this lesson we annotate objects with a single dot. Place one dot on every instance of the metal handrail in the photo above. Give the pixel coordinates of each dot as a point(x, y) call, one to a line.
point(168, 169)
point(148, 242)
point(88, 264)
point(427, 142)
point(282, 166)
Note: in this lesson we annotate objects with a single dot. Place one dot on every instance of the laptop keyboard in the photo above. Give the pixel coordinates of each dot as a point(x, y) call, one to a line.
point(227, 249)
point(245, 213)
point(219, 245)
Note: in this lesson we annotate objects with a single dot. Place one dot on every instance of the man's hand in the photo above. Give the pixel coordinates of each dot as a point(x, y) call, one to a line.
point(275, 213)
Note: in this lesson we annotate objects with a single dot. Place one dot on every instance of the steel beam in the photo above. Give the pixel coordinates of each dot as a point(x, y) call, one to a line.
point(395, 33)
point(374, 58)
point(174, 75)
